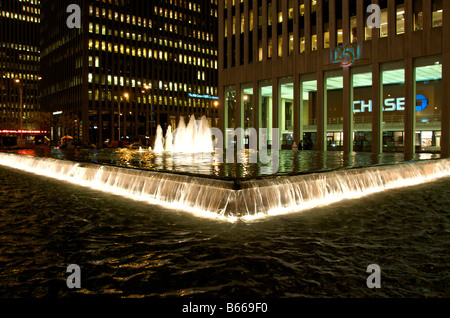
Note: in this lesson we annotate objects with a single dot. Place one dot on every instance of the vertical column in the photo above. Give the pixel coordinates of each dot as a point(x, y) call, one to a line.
point(264, 42)
point(377, 91)
point(321, 84)
point(296, 31)
point(255, 32)
point(307, 30)
point(285, 33)
point(298, 136)
point(347, 102)
point(348, 109)
point(332, 24)
point(124, 110)
point(445, 137)
point(238, 33)
point(230, 32)
point(427, 21)
point(246, 31)
point(255, 105)
point(238, 113)
point(346, 21)
point(392, 22)
point(319, 28)
point(275, 105)
point(321, 110)
point(410, 100)
point(410, 106)
point(377, 109)
point(221, 57)
point(360, 17)
point(297, 106)
point(274, 31)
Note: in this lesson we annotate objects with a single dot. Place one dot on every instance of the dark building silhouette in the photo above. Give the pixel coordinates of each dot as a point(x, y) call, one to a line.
point(19, 65)
point(153, 60)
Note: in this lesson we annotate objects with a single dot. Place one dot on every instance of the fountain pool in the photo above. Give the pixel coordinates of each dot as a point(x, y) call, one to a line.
point(232, 191)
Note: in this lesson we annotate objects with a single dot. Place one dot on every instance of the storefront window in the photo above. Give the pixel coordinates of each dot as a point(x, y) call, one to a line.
point(265, 109)
point(308, 104)
point(393, 102)
point(428, 72)
point(334, 108)
point(230, 107)
point(286, 107)
point(247, 105)
point(362, 108)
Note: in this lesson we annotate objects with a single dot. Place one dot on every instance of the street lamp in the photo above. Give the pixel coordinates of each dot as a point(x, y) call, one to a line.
point(20, 85)
point(125, 95)
point(144, 91)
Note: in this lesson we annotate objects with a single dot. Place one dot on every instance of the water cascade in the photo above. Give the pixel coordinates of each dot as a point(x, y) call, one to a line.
point(227, 200)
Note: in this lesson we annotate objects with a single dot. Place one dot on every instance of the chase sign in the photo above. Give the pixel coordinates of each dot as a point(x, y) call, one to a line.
point(390, 105)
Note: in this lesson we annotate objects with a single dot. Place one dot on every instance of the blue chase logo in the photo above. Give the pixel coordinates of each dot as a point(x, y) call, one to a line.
point(423, 101)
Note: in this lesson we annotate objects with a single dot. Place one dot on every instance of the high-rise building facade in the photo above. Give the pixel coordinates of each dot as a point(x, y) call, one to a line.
point(19, 66)
point(132, 65)
point(338, 74)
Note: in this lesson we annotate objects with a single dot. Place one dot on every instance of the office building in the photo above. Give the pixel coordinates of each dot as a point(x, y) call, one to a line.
point(320, 72)
point(131, 66)
point(19, 67)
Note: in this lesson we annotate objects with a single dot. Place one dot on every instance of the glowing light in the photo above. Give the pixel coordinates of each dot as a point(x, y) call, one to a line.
point(216, 199)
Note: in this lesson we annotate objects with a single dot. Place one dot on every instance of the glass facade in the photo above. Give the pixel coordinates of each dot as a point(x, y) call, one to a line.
point(266, 108)
point(334, 107)
point(308, 109)
point(428, 78)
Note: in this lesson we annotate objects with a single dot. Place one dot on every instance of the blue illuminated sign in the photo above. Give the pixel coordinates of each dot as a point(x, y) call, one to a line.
point(345, 54)
point(424, 101)
point(390, 105)
point(203, 96)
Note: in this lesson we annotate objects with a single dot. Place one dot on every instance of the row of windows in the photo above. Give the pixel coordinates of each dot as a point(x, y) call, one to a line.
point(161, 55)
point(18, 16)
point(12, 75)
point(157, 100)
point(21, 47)
point(144, 22)
point(418, 24)
point(140, 37)
point(170, 86)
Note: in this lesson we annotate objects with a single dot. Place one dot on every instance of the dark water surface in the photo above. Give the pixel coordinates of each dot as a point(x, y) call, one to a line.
point(132, 249)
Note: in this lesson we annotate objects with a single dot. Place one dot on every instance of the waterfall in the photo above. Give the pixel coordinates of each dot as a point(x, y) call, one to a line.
point(201, 196)
point(221, 198)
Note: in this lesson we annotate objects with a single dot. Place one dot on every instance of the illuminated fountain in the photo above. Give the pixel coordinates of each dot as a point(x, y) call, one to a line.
point(230, 200)
point(159, 142)
point(196, 137)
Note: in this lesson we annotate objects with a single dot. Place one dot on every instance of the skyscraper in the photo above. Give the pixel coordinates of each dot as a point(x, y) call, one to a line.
point(131, 66)
point(319, 72)
point(19, 65)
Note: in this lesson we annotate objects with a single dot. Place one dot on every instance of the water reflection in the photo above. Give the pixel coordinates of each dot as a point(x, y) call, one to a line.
point(216, 165)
